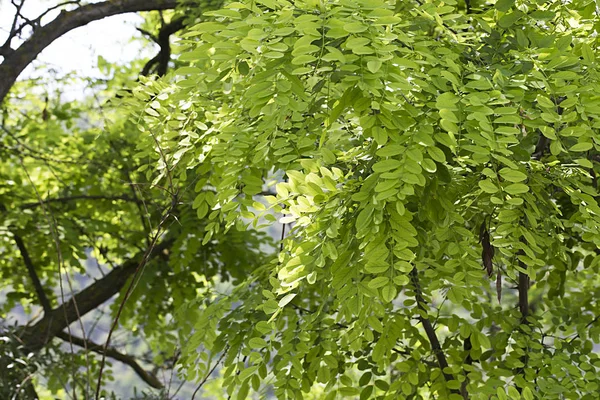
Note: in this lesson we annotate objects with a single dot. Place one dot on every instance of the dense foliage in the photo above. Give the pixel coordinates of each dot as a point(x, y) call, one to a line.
point(430, 168)
point(417, 142)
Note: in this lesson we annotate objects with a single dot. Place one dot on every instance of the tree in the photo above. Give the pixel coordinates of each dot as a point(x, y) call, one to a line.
point(437, 207)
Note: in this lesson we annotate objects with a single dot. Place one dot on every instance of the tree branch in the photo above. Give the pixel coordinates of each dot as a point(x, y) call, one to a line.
point(38, 335)
point(111, 352)
point(430, 331)
point(37, 284)
point(16, 61)
point(164, 54)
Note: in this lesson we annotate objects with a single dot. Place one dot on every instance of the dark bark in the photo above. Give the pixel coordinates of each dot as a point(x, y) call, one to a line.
point(37, 284)
point(523, 296)
point(17, 60)
point(160, 63)
point(41, 333)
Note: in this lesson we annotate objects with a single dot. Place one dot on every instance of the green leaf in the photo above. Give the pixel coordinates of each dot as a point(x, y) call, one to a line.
point(488, 186)
point(257, 343)
point(286, 299)
point(548, 132)
point(270, 306)
point(386, 165)
point(516, 188)
point(207, 27)
point(448, 115)
point(513, 393)
point(188, 71)
point(508, 20)
point(374, 65)
point(364, 217)
point(504, 5)
point(378, 282)
point(587, 53)
point(484, 341)
point(447, 101)
point(449, 126)
point(580, 147)
point(355, 27)
point(436, 154)
point(501, 393)
point(389, 293)
point(512, 175)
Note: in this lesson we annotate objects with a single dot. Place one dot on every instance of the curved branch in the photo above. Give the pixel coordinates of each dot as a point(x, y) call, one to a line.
point(19, 59)
point(111, 352)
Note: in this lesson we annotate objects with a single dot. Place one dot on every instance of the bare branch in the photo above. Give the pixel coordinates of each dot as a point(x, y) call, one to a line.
point(136, 275)
point(209, 373)
point(113, 353)
point(15, 62)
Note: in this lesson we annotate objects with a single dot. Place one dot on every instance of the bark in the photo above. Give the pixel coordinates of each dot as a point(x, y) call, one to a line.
point(160, 63)
point(41, 333)
point(16, 61)
point(35, 280)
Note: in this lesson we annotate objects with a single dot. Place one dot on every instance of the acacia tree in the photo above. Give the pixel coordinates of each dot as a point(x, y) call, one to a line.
point(438, 207)
point(420, 142)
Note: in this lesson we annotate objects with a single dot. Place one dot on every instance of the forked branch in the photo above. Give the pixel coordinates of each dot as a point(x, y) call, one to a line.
point(16, 61)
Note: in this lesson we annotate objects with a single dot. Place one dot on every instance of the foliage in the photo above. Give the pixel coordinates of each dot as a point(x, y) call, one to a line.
point(17, 368)
point(73, 192)
point(430, 166)
point(417, 142)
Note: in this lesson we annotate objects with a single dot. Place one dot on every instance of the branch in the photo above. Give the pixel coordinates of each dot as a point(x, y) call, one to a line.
point(66, 199)
point(111, 352)
point(37, 284)
point(6, 50)
point(523, 295)
point(164, 54)
point(38, 335)
point(19, 59)
point(430, 331)
point(209, 373)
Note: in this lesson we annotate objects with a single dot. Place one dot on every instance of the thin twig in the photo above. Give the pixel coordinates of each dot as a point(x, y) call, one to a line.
point(52, 224)
point(210, 372)
point(132, 283)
